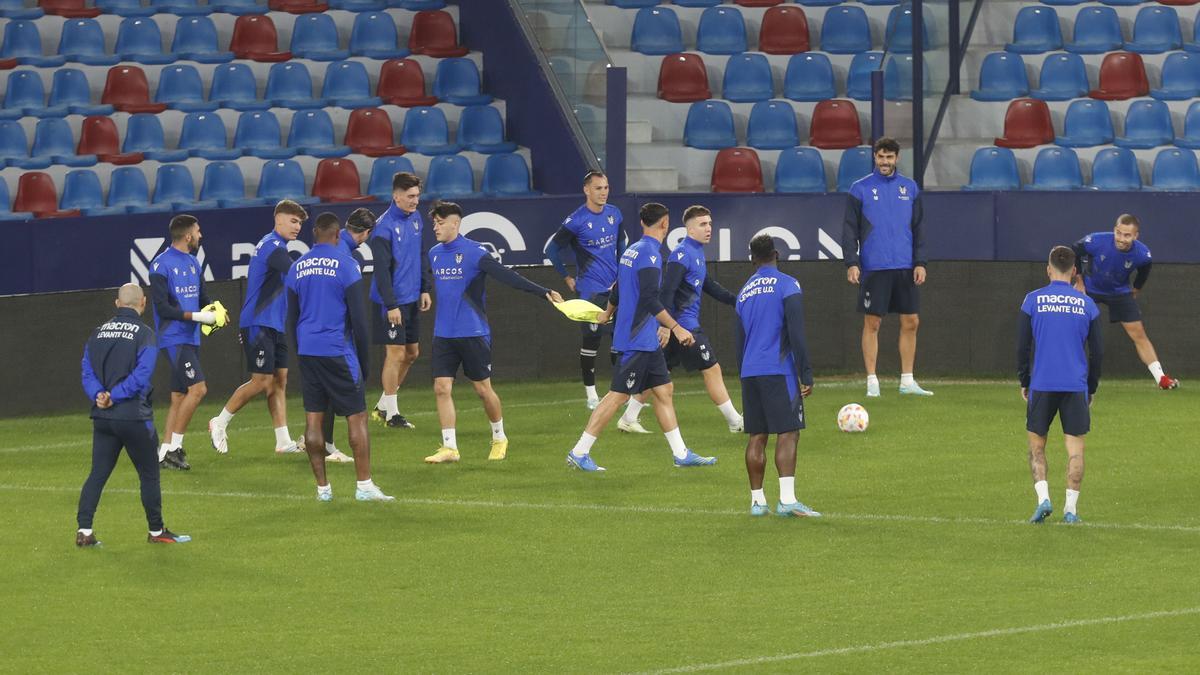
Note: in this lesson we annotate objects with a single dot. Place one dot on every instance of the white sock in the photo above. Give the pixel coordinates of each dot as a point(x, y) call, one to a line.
point(1042, 488)
point(872, 380)
point(787, 489)
point(1072, 501)
point(85, 532)
point(632, 411)
point(330, 448)
point(282, 437)
point(591, 392)
point(367, 484)
point(584, 446)
point(155, 533)
point(1156, 370)
point(325, 489)
point(176, 441)
point(906, 379)
point(730, 413)
point(498, 431)
point(389, 405)
point(163, 450)
point(225, 417)
point(675, 440)
point(449, 439)
point(758, 497)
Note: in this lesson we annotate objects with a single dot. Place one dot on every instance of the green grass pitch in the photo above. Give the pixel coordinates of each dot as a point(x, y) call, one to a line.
point(923, 562)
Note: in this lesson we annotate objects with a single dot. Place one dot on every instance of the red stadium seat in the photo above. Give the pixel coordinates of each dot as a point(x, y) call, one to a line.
point(1122, 76)
point(1027, 124)
point(71, 9)
point(757, 3)
point(337, 181)
point(98, 136)
point(255, 38)
point(737, 170)
point(8, 64)
point(1182, 3)
point(784, 31)
point(126, 90)
point(835, 125)
point(297, 6)
point(36, 194)
point(402, 83)
point(682, 78)
point(369, 132)
point(434, 34)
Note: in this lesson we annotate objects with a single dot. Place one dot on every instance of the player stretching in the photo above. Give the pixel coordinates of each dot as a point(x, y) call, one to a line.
point(1061, 326)
point(642, 328)
point(685, 276)
point(461, 335)
point(1105, 260)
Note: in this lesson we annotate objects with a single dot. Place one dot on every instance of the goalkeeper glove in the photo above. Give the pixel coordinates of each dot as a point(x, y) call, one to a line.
point(220, 317)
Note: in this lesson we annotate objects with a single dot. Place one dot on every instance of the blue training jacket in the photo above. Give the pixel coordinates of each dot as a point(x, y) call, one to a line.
point(882, 229)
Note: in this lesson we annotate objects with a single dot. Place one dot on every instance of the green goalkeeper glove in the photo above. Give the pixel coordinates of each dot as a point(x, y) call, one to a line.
point(219, 313)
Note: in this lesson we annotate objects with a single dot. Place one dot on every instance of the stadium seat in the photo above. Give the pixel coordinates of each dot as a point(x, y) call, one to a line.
point(70, 9)
point(361, 6)
point(126, 90)
point(98, 136)
point(36, 194)
point(144, 134)
point(898, 77)
point(312, 134)
point(682, 78)
point(337, 181)
point(433, 33)
point(258, 133)
point(290, 86)
point(369, 132)
point(451, 176)
point(1174, 169)
point(1122, 76)
point(722, 30)
point(772, 126)
point(14, 147)
point(506, 175)
point(1191, 128)
point(1002, 77)
point(695, 3)
point(138, 39)
point(800, 170)
point(417, 5)
point(82, 41)
point(1036, 31)
point(52, 138)
point(1194, 45)
point(1180, 78)
point(129, 191)
point(82, 192)
point(1155, 30)
point(16, 9)
point(196, 40)
point(204, 135)
point(255, 38)
point(1063, 78)
point(632, 4)
point(1097, 31)
point(179, 86)
point(283, 179)
point(481, 129)
point(382, 170)
point(845, 30)
point(457, 81)
point(348, 86)
point(747, 78)
point(237, 7)
point(899, 30)
point(1116, 169)
point(70, 88)
point(656, 31)
point(709, 126)
point(784, 30)
point(1087, 123)
point(173, 185)
point(835, 125)
point(1147, 125)
point(875, 2)
point(858, 81)
point(298, 6)
point(402, 83)
point(1026, 124)
point(820, 3)
point(1122, 3)
point(183, 8)
point(1056, 169)
point(25, 95)
point(757, 3)
point(737, 170)
point(809, 77)
point(5, 200)
point(234, 86)
point(426, 131)
point(374, 35)
point(23, 42)
point(224, 184)
point(994, 168)
point(315, 36)
point(125, 7)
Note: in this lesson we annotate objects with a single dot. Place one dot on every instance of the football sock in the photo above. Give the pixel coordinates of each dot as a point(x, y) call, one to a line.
point(584, 446)
point(906, 379)
point(155, 533)
point(163, 450)
point(389, 405)
point(449, 439)
point(730, 413)
point(587, 367)
point(632, 411)
point(675, 440)
point(176, 441)
point(225, 416)
point(591, 392)
point(872, 380)
point(498, 431)
point(1156, 370)
point(85, 532)
point(329, 447)
point(1042, 488)
point(282, 437)
point(367, 484)
point(1072, 501)
point(613, 356)
point(325, 489)
point(758, 497)
point(787, 489)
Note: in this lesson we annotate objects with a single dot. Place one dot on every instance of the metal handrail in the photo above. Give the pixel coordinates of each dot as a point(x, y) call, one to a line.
point(952, 85)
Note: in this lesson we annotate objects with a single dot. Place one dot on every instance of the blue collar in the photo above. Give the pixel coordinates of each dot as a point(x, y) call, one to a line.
point(688, 241)
point(1060, 283)
point(128, 313)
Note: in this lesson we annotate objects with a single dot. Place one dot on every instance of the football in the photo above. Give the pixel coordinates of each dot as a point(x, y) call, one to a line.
point(853, 418)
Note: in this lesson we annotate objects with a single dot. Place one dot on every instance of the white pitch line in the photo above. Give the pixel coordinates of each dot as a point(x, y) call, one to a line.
point(940, 639)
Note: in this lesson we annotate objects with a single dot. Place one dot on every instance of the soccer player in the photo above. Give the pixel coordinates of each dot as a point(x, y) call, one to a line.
point(263, 314)
point(401, 288)
point(326, 315)
point(685, 277)
point(1061, 327)
point(118, 364)
point(642, 327)
point(776, 375)
point(1104, 261)
point(884, 252)
point(461, 335)
point(177, 290)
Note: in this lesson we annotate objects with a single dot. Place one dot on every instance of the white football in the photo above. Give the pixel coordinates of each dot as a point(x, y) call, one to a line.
point(853, 418)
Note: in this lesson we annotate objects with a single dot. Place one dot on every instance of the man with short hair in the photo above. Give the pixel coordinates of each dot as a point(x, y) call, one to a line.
point(1105, 260)
point(400, 290)
point(118, 365)
point(1060, 326)
point(461, 334)
point(884, 250)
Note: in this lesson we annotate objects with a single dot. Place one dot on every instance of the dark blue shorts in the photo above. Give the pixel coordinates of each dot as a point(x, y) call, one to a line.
point(592, 332)
point(699, 356)
point(407, 333)
point(266, 349)
point(474, 354)
point(772, 404)
point(884, 292)
point(332, 383)
point(1070, 406)
point(1121, 308)
point(184, 361)
point(639, 371)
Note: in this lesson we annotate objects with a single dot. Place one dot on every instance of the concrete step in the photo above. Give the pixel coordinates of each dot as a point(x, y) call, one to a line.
point(652, 179)
point(639, 131)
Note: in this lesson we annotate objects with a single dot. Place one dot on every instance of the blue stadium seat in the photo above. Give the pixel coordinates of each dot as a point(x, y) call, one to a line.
point(312, 134)
point(1063, 78)
point(315, 36)
point(144, 134)
point(656, 31)
point(451, 176)
point(203, 135)
point(5, 205)
point(506, 175)
point(1065, 3)
point(631, 4)
point(179, 86)
point(290, 86)
point(1116, 169)
point(25, 95)
point(1180, 78)
point(1191, 128)
point(899, 30)
point(1056, 169)
point(1175, 170)
point(70, 88)
point(858, 82)
point(877, 2)
point(81, 190)
point(173, 185)
point(259, 134)
point(994, 168)
point(374, 35)
point(359, 5)
point(1155, 30)
point(696, 3)
point(1087, 123)
point(125, 7)
point(348, 86)
point(854, 164)
point(380, 183)
point(234, 86)
point(800, 170)
point(237, 7)
point(196, 40)
point(224, 184)
point(426, 131)
point(1097, 31)
point(722, 30)
point(809, 77)
point(898, 77)
point(1036, 31)
point(14, 147)
point(283, 179)
point(845, 30)
point(82, 41)
point(1194, 45)
point(1002, 77)
point(1147, 125)
point(182, 8)
point(138, 39)
point(747, 79)
point(53, 140)
point(457, 81)
point(23, 41)
point(16, 9)
point(417, 5)
point(481, 129)
point(1122, 3)
point(772, 126)
point(709, 126)
point(128, 190)
point(820, 3)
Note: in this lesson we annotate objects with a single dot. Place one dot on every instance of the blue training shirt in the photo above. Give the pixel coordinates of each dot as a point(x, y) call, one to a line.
point(685, 277)
point(882, 228)
point(320, 280)
point(176, 286)
point(348, 246)
point(460, 268)
point(1109, 268)
point(396, 246)
point(771, 326)
point(595, 238)
point(637, 299)
point(266, 304)
point(1062, 322)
